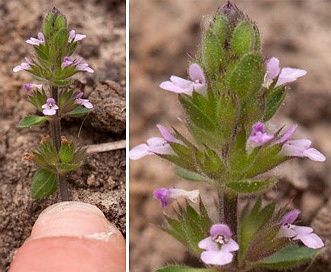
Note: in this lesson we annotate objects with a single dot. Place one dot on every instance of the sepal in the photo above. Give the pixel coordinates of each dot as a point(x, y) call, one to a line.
point(190, 226)
point(251, 223)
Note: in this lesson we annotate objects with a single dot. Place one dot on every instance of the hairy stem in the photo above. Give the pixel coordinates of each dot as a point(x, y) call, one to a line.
point(230, 213)
point(55, 128)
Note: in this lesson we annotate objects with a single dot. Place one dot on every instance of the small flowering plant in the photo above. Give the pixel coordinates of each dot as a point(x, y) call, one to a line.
point(232, 93)
point(53, 66)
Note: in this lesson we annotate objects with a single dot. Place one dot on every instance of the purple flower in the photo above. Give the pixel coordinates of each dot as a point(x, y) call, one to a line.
point(180, 85)
point(167, 196)
point(294, 232)
point(284, 138)
point(84, 68)
point(50, 107)
point(258, 136)
point(301, 148)
point(83, 102)
point(286, 75)
point(23, 66)
point(155, 145)
point(73, 37)
point(29, 86)
point(39, 41)
point(79, 66)
point(66, 62)
point(219, 246)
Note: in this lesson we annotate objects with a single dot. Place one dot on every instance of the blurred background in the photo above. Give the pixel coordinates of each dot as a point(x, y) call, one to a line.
point(162, 35)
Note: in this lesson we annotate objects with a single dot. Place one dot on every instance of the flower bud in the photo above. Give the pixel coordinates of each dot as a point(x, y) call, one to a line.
point(54, 21)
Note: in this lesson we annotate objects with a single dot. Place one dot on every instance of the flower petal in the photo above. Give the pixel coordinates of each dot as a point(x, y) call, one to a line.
point(230, 246)
point(273, 68)
point(139, 151)
point(166, 134)
point(216, 257)
point(288, 75)
point(314, 155)
point(287, 232)
point(311, 240)
point(196, 73)
point(208, 244)
point(220, 229)
point(290, 217)
point(286, 135)
point(302, 230)
point(192, 196)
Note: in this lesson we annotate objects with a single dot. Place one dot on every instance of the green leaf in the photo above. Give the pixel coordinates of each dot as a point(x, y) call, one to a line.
point(288, 258)
point(38, 99)
point(213, 54)
point(242, 39)
point(253, 223)
point(44, 183)
point(186, 174)
point(250, 186)
point(62, 82)
point(72, 48)
point(77, 112)
point(181, 268)
point(273, 101)
point(195, 114)
point(66, 152)
point(61, 38)
point(190, 226)
point(49, 152)
point(40, 160)
point(65, 167)
point(247, 76)
point(32, 120)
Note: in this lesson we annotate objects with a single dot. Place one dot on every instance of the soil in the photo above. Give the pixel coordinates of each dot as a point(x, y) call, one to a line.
point(162, 35)
point(101, 180)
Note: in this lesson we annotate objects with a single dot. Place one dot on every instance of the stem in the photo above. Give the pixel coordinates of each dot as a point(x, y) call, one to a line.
point(230, 213)
point(55, 128)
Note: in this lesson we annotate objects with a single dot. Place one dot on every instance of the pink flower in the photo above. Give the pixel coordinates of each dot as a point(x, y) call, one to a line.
point(167, 196)
point(259, 136)
point(50, 107)
point(286, 75)
point(301, 148)
point(66, 62)
point(219, 246)
point(83, 102)
point(73, 37)
point(180, 85)
point(155, 145)
point(29, 86)
point(294, 232)
point(39, 41)
point(23, 66)
point(79, 66)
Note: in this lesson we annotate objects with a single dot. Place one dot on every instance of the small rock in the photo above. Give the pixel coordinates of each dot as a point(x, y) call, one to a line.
point(109, 111)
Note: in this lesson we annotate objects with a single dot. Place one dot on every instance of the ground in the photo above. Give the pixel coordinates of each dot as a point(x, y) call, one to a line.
point(101, 180)
point(162, 35)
